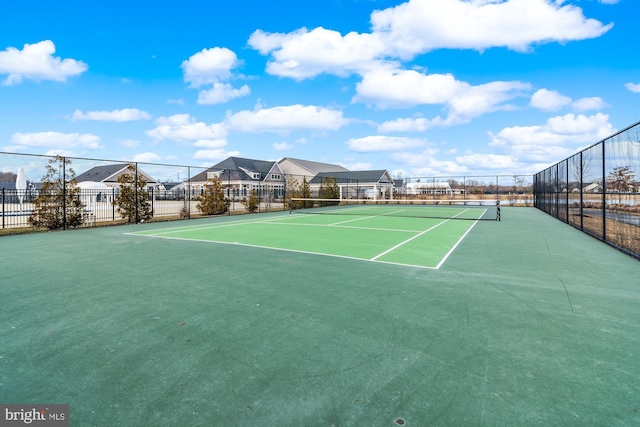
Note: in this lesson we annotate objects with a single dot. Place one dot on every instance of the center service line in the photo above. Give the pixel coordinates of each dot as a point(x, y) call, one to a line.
point(408, 240)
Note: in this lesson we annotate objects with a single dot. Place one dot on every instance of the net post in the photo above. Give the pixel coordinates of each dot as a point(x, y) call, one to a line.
point(498, 210)
point(290, 205)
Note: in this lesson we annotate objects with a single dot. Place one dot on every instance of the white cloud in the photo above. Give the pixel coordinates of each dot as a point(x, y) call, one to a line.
point(14, 148)
point(554, 140)
point(386, 87)
point(419, 124)
point(282, 146)
point(303, 54)
point(485, 161)
point(147, 157)
point(124, 115)
point(419, 26)
point(287, 118)
point(426, 163)
point(175, 101)
point(213, 67)
point(130, 143)
point(482, 99)
point(589, 104)
point(549, 100)
point(36, 62)
point(608, 1)
point(60, 152)
point(358, 166)
point(57, 140)
point(427, 155)
point(384, 143)
point(633, 87)
point(210, 143)
point(218, 154)
point(182, 127)
point(209, 66)
point(221, 93)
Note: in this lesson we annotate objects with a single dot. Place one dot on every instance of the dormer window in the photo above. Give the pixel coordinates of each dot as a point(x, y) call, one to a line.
point(255, 175)
point(213, 175)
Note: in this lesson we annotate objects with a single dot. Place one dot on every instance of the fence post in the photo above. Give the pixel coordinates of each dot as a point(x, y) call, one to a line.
point(3, 208)
point(556, 186)
point(566, 190)
point(581, 194)
point(604, 193)
point(135, 186)
point(187, 196)
point(64, 193)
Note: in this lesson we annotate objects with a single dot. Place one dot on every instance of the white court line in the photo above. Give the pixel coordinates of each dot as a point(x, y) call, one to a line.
point(426, 231)
point(456, 245)
point(270, 222)
point(286, 250)
point(345, 226)
point(364, 217)
point(350, 220)
point(202, 227)
point(408, 240)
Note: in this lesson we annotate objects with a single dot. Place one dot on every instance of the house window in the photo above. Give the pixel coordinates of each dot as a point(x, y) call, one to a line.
point(276, 176)
point(255, 175)
point(213, 175)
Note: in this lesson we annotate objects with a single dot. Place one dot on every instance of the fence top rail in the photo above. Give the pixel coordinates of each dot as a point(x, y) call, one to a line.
point(103, 160)
point(602, 141)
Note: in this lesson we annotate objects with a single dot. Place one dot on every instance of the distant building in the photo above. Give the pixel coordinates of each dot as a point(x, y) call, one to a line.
point(239, 176)
point(109, 174)
point(299, 169)
point(371, 184)
point(428, 187)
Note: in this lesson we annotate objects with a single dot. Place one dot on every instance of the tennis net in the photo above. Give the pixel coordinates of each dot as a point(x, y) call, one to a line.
point(445, 209)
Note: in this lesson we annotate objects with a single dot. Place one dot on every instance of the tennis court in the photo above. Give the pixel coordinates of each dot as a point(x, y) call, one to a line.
point(265, 320)
point(413, 235)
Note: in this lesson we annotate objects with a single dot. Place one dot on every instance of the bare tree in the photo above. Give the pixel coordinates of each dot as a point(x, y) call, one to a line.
point(58, 204)
point(212, 200)
point(132, 201)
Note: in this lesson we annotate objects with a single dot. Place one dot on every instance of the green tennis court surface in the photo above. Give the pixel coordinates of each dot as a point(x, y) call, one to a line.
point(528, 322)
point(420, 242)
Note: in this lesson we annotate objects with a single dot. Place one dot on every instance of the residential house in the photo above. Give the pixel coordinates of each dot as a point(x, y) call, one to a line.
point(429, 187)
point(371, 184)
point(239, 176)
point(109, 174)
point(300, 169)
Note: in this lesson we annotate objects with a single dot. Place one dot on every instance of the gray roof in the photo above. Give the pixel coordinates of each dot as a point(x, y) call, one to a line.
point(317, 167)
point(100, 173)
point(351, 176)
point(231, 168)
point(103, 173)
point(7, 185)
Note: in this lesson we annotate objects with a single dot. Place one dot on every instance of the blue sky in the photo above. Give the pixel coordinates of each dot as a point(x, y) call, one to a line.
point(419, 87)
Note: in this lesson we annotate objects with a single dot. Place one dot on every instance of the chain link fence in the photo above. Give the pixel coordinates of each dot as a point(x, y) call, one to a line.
point(514, 190)
point(71, 192)
point(598, 190)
